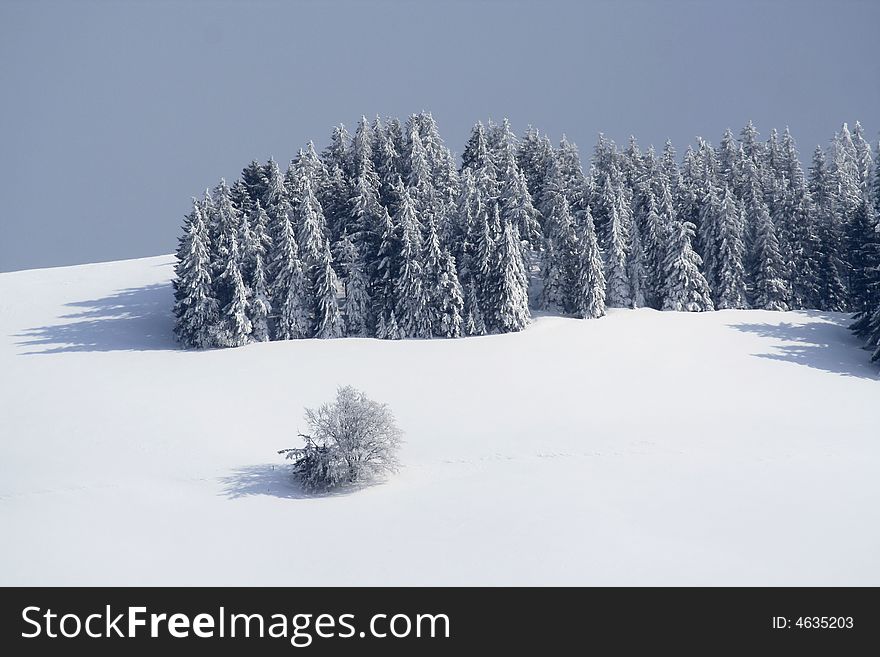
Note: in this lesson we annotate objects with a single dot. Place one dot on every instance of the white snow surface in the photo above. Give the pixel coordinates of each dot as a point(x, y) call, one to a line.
point(644, 448)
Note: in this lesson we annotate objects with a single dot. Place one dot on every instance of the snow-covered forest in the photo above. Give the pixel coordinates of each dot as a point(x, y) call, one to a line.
point(384, 234)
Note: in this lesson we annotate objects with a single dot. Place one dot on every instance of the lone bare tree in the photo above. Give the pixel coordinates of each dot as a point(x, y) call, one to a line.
point(353, 439)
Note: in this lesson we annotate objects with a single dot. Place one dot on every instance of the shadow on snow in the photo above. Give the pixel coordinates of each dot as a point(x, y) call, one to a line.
point(141, 319)
point(271, 480)
point(134, 319)
point(826, 345)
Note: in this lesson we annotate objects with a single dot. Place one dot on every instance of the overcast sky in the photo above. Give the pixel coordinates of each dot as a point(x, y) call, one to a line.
point(113, 114)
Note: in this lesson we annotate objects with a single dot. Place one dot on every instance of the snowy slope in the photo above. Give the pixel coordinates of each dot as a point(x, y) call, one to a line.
point(736, 447)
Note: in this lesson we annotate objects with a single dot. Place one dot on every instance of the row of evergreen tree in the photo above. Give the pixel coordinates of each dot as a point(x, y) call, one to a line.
point(383, 234)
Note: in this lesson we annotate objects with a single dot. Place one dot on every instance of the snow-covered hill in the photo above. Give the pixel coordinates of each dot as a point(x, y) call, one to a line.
point(736, 447)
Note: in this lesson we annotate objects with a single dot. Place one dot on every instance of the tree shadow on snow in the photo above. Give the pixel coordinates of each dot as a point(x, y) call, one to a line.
point(271, 480)
point(134, 319)
point(827, 345)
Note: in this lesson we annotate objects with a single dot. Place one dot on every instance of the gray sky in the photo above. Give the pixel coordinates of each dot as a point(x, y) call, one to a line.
point(113, 114)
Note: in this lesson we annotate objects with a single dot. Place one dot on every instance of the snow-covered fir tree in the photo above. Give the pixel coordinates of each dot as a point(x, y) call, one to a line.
point(863, 242)
point(336, 155)
point(533, 156)
point(864, 162)
point(473, 319)
point(367, 223)
point(241, 200)
point(419, 179)
point(769, 287)
point(457, 232)
point(517, 209)
point(730, 158)
point(796, 232)
point(752, 147)
point(803, 271)
point(451, 300)
point(358, 305)
point(559, 241)
point(641, 170)
point(252, 239)
point(588, 284)
point(385, 158)
point(687, 195)
point(223, 227)
point(573, 180)
point(328, 318)
point(411, 298)
point(260, 222)
point(255, 179)
point(390, 330)
point(383, 284)
point(830, 290)
point(292, 298)
point(440, 157)
point(512, 293)
point(668, 174)
point(235, 326)
point(873, 340)
point(502, 145)
point(334, 200)
point(667, 183)
point(731, 292)
point(310, 220)
point(708, 201)
point(308, 166)
point(361, 154)
point(259, 306)
point(686, 288)
point(480, 263)
point(476, 154)
point(195, 308)
point(272, 189)
point(867, 322)
point(653, 229)
point(632, 167)
point(874, 322)
point(848, 195)
point(432, 265)
point(618, 290)
point(223, 232)
point(635, 267)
